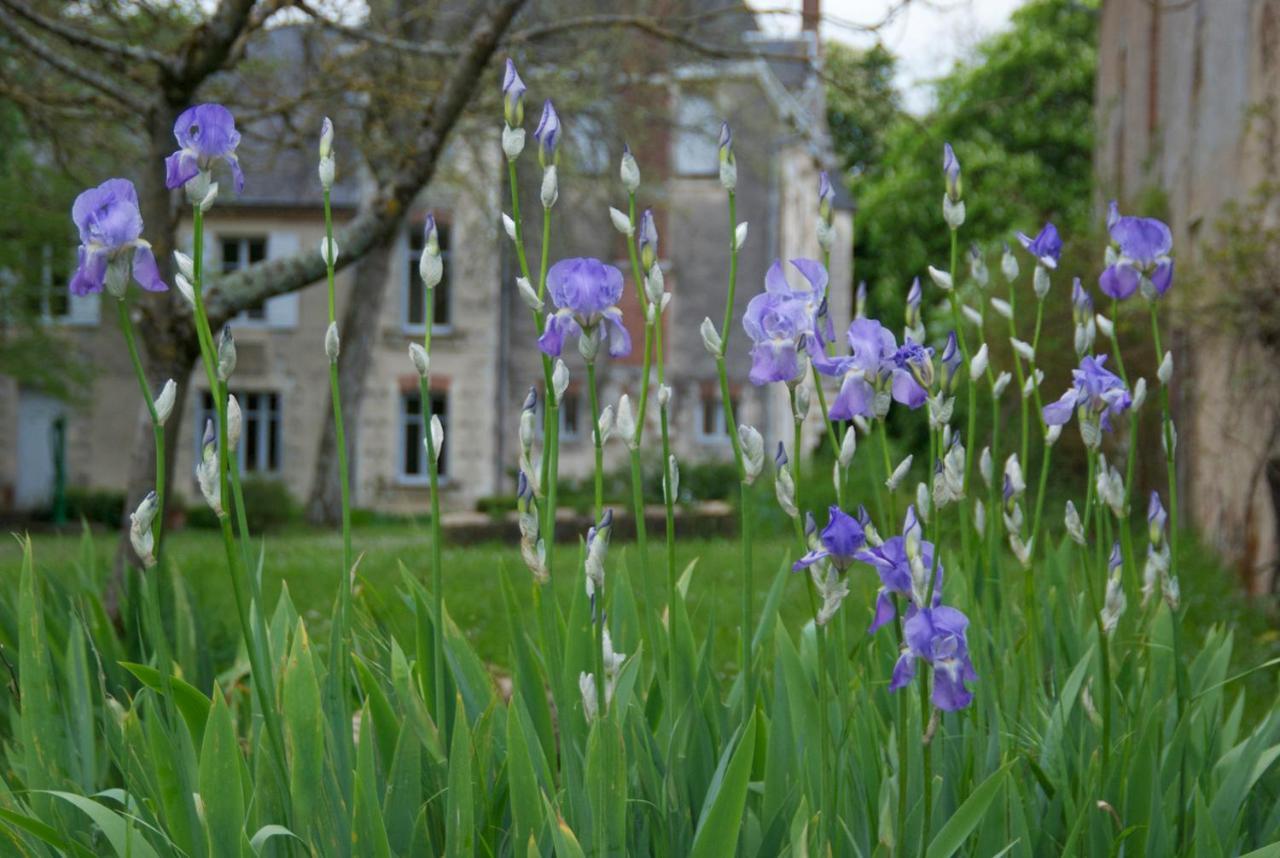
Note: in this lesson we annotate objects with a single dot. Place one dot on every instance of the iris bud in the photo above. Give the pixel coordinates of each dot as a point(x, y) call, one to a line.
point(621, 222)
point(226, 354)
point(550, 187)
point(235, 420)
point(186, 266)
point(978, 365)
point(629, 170)
point(752, 445)
point(331, 344)
point(165, 402)
point(711, 337)
point(527, 293)
point(559, 380)
point(421, 360)
point(941, 279)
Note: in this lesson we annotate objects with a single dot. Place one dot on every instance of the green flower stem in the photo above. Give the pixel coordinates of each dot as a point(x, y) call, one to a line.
point(1022, 379)
point(890, 505)
point(652, 342)
point(726, 403)
point(344, 475)
point(433, 479)
point(126, 327)
point(255, 644)
point(596, 441)
point(546, 604)
point(1170, 458)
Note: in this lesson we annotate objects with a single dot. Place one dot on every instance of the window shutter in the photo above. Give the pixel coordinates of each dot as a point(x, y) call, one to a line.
point(282, 311)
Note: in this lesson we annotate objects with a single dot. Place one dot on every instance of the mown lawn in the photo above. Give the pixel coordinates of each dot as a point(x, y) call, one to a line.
point(307, 560)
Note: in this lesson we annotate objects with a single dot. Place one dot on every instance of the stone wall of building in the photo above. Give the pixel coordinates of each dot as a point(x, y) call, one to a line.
point(1186, 104)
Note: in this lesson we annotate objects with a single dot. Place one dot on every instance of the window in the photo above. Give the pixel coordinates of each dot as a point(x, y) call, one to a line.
point(587, 141)
point(414, 297)
point(37, 290)
point(241, 252)
point(413, 449)
point(259, 448)
point(570, 415)
point(696, 142)
point(711, 423)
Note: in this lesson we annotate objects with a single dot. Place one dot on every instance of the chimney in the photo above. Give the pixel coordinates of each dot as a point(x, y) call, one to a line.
point(810, 15)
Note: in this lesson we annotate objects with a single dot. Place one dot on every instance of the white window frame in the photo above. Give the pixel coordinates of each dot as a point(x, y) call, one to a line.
point(565, 433)
point(721, 430)
point(82, 310)
point(413, 281)
point(696, 124)
point(242, 239)
point(404, 417)
point(263, 415)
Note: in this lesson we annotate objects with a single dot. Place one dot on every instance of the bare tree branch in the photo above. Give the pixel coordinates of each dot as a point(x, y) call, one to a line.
point(81, 39)
point(255, 284)
point(208, 47)
point(360, 34)
point(76, 71)
point(644, 23)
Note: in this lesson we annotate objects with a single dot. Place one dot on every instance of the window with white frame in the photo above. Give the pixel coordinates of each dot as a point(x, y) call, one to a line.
point(39, 290)
point(260, 434)
point(695, 146)
point(414, 303)
point(589, 145)
point(241, 251)
point(570, 415)
point(412, 465)
point(711, 422)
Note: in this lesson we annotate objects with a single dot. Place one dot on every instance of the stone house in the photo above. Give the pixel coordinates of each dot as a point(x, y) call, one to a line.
point(1186, 101)
point(483, 354)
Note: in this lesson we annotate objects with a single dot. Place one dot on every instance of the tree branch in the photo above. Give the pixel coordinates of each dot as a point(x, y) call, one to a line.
point(257, 283)
point(81, 39)
point(425, 49)
point(113, 89)
point(207, 48)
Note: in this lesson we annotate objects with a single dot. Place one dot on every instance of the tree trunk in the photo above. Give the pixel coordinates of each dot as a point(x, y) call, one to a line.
point(359, 335)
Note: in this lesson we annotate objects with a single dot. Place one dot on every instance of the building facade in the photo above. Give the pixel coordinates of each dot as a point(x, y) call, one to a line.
point(1186, 105)
point(484, 356)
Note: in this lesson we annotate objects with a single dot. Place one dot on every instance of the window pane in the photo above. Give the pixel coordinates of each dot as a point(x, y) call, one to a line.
point(696, 149)
point(441, 307)
point(708, 416)
point(257, 249)
point(230, 254)
point(250, 440)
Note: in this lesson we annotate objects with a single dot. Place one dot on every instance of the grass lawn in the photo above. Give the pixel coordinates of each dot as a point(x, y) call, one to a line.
point(307, 561)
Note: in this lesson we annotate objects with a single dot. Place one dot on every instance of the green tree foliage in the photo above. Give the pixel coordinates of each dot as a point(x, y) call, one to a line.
point(35, 264)
point(862, 102)
point(1020, 116)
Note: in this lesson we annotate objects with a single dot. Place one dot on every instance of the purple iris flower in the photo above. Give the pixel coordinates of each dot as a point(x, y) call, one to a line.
point(841, 540)
point(513, 89)
point(1157, 518)
point(951, 170)
point(1081, 303)
point(548, 133)
point(1096, 389)
point(891, 563)
point(826, 196)
point(781, 322)
point(937, 635)
point(951, 360)
point(874, 365)
point(585, 292)
point(111, 243)
point(647, 240)
point(1046, 247)
point(726, 142)
point(1142, 246)
point(206, 133)
point(915, 295)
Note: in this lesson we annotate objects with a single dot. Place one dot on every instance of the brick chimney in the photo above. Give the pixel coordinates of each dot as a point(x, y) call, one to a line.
point(810, 15)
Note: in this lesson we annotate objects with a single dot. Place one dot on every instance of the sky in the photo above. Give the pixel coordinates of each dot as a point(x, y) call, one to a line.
point(927, 35)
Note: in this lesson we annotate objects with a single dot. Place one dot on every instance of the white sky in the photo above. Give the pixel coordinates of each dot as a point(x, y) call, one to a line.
point(927, 35)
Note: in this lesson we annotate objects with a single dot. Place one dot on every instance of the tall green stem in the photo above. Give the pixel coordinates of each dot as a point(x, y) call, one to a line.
point(433, 479)
point(157, 430)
